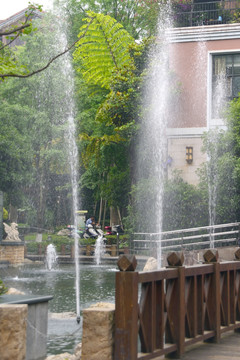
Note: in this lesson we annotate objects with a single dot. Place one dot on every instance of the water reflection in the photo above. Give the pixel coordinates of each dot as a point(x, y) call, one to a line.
point(96, 284)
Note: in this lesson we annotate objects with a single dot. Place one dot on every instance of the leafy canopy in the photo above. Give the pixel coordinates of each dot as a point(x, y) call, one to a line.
point(104, 47)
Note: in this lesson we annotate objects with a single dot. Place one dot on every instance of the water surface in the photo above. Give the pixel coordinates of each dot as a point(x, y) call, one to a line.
point(97, 284)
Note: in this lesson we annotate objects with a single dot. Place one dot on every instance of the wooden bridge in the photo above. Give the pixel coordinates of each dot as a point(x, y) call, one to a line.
point(167, 312)
point(228, 348)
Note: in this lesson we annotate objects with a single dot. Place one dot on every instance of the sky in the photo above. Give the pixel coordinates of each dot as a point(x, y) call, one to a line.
point(11, 7)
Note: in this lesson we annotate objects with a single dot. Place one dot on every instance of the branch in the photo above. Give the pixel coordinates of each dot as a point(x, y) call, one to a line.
point(50, 61)
point(15, 37)
point(18, 29)
point(9, 32)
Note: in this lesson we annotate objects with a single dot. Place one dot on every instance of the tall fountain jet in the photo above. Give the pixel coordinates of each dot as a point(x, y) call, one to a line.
point(69, 114)
point(153, 141)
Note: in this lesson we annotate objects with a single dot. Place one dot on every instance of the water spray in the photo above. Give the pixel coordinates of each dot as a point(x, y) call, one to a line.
point(78, 319)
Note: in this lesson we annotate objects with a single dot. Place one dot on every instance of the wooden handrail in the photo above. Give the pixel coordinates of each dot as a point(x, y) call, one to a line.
point(170, 309)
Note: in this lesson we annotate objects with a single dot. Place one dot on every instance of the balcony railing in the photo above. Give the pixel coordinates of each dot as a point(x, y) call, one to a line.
point(186, 13)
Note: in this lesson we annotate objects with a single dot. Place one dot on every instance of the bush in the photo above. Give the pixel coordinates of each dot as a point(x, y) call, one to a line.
point(5, 214)
point(3, 288)
point(56, 240)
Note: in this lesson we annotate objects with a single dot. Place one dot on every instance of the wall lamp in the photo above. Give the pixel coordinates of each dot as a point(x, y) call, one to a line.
point(189, 154)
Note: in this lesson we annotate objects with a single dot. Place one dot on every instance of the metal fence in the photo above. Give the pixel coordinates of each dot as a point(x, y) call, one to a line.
point(187, 239)
point(187, 13)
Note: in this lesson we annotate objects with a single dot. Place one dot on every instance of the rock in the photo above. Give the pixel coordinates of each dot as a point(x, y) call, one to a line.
point(67, 356)
point(64, 232)
point(12, 232)
point(63, 315)
point(64, 356)
point(151, 264)
point(27, 261)
point(13, 291)
point(78, 351)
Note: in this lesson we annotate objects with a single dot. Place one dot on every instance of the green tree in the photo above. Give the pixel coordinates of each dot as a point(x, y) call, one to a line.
point(138, 17)
point(106, 143)
point(219, 176)
point(42, 118)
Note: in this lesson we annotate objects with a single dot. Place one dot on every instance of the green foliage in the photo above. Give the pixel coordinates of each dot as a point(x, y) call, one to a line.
point(219, 176)
point(33, 157)
point(106, 134)
point(3, 288)
point(14, 143)
point(123, 240)
point(9, 60)
point(56, 240)
point(5, 214)
point(139, 18)
point(184, 205)
point(102, 46)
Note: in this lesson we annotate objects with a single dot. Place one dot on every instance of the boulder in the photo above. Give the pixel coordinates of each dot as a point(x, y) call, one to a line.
point(13, 291)
point(151, 264)
point(63, 232)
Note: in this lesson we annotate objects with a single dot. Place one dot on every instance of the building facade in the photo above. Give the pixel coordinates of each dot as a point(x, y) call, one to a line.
point(206, 62)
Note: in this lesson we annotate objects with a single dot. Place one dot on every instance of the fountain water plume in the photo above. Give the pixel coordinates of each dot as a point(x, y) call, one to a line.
point(218, 105)
point(99, 249)
point(69, 114)
point(153, 139)
point(51, 257)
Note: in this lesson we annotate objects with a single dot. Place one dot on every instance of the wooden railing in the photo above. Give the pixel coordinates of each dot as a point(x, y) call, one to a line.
point(162, 312)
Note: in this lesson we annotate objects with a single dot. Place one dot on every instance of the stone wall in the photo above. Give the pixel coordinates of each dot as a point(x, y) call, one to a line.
point(12, 252)
point(98, 332)
point(13, 331)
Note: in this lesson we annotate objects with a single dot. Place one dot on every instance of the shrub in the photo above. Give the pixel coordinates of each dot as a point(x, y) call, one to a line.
point(3, 288)
point(5, 214)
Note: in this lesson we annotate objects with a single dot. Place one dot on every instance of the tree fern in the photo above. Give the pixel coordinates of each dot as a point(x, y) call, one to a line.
point(103, 46)
point(96, 143)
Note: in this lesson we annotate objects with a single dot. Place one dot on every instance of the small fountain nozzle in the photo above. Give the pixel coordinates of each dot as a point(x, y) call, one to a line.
point(78, 319)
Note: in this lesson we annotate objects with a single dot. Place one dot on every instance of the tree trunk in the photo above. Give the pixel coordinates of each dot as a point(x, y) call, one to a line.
point(120, 218)
point(104, 214)
point(114, 216)
point(100, 211)
point(13, 215)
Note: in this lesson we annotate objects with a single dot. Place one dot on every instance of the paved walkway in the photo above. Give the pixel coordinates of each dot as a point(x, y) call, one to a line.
point(227, 349)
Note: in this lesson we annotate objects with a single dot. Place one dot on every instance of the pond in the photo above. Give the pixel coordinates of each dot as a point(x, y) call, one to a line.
point(97, 284)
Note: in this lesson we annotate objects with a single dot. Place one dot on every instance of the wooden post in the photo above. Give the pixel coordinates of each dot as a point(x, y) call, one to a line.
point(126, 310)
point(126, 316)
point(39, 249)
point(181, 311)
point(72, 252)
point(216, 303)
point(225, 296)
point(176, 313)
point(63, 249)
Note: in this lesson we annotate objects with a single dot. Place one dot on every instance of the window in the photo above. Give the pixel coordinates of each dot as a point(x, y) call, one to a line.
point(225, 81)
